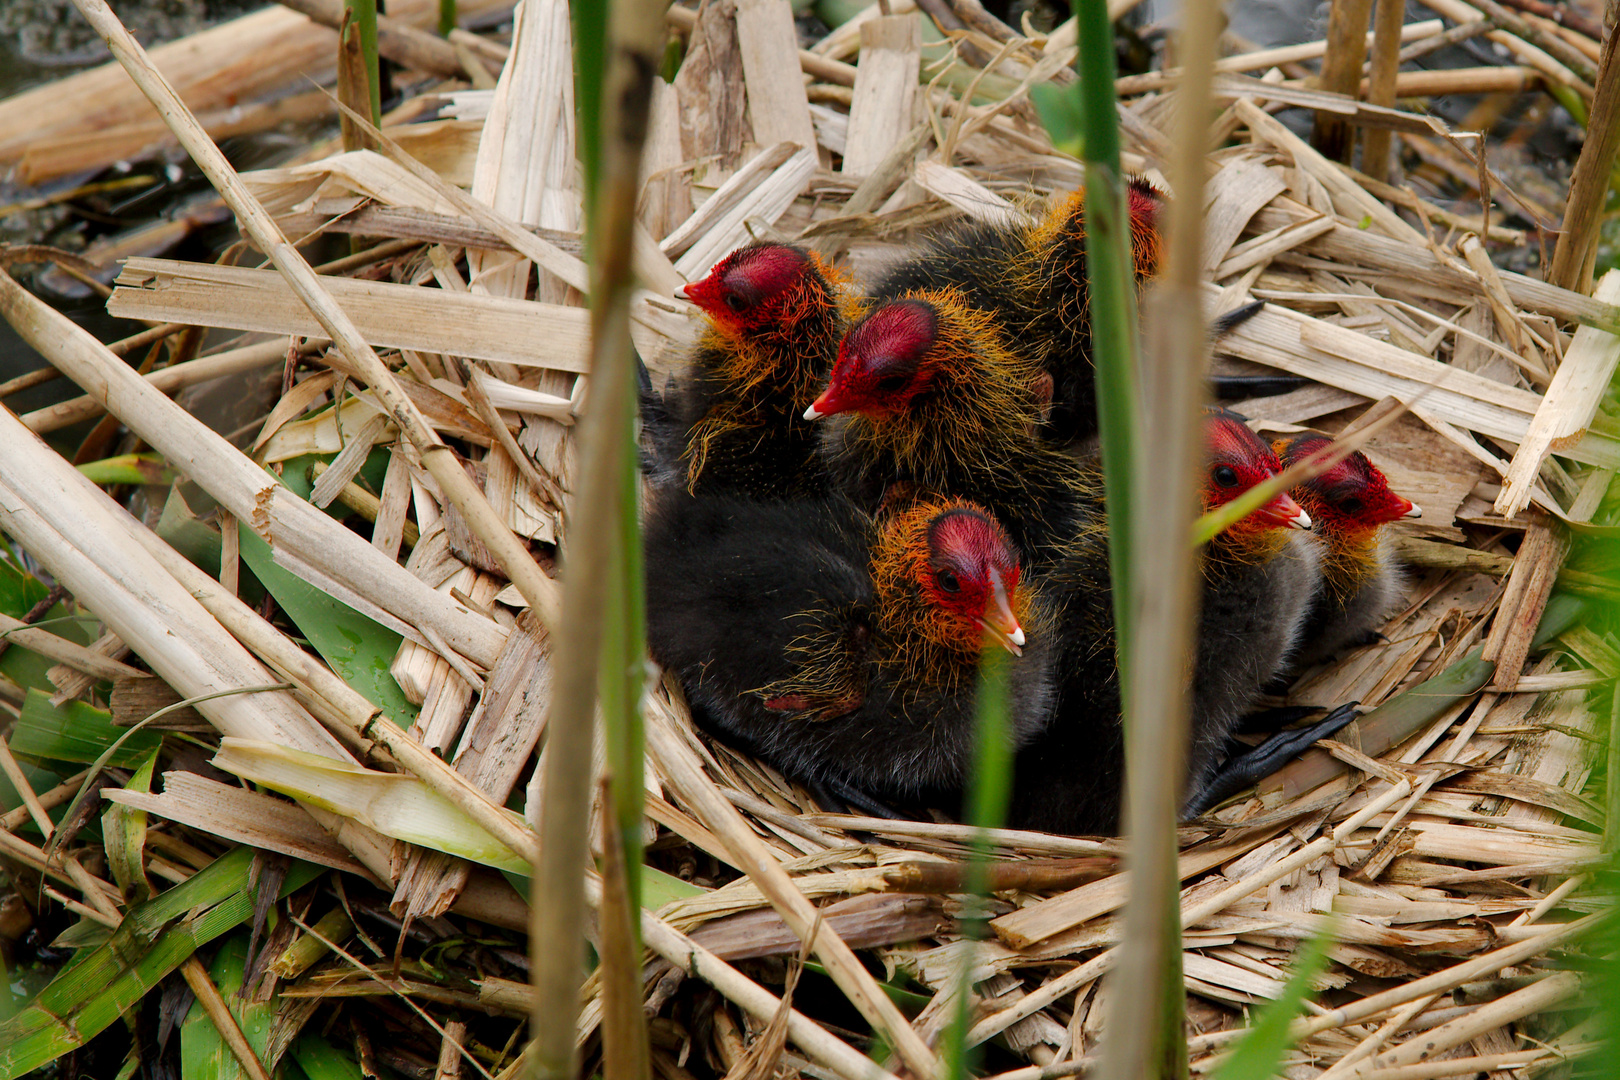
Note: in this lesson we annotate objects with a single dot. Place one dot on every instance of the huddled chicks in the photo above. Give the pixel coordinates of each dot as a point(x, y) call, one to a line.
point(856, 494)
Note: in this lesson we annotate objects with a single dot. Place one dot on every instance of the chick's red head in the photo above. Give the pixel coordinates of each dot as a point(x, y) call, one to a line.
point(971, 577)
point(749, 289)
point(1352, 496)
point(1236, 460)
point(1144, 205)
point(884, 361)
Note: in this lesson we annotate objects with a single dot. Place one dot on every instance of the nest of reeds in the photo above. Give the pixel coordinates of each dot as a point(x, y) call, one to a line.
point(1445, 843)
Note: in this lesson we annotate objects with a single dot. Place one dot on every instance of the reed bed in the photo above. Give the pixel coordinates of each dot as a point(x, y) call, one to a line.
point(367, 742)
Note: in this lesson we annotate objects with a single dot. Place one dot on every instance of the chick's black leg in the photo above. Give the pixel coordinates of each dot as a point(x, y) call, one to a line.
point(1272, 720)
point(840, 796)
point(1261, 761)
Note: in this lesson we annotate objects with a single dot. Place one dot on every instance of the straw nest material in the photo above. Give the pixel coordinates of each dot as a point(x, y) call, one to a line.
point(1448, 833)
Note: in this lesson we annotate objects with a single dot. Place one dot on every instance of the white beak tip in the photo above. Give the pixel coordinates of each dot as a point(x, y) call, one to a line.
point(1415, 512)
point(812, 414)
point(1017, 636)
point(1301, 520)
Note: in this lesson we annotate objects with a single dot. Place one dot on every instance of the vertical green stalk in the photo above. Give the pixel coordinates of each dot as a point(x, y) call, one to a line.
point(617, 50)
point(624, 669)
point(365, 18)
point(1113, 306)
point(989, 787)
point(447, 17)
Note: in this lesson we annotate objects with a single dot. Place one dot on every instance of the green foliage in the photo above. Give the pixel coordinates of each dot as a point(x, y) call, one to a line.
point(320, 1060)
point(1059, 110)
point(123, 831)
point(154, 939)
point(19, 592)
point(128, 469)
point(355, 645)
point(1259, 1055)
point(989, 789)
point(203, 1053)
point(76, 732)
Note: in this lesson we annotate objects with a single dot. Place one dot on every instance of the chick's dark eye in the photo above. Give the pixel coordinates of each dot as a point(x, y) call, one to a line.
point(890, 384)
point(1351, 505)
point(1225, 476)
point(736, 303)
point(947, 581)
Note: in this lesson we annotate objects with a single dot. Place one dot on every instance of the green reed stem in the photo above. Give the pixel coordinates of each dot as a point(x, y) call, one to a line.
point(989, 788)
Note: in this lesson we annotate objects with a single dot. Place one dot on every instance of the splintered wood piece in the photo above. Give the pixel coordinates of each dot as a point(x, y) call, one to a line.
point(1269, 245)
point(966, 194)
point(709, 86)
point(495, 746)
point(388, 314)
point(727, 198)
point(1232, 197)
point(768, 201)
point(1362, 365)
point(1416, 263)
point(139, 697)
point(885, 91)
point(247, 817)
point(1330, 175)
point(777, 104)
point(1529, 584)
point(665, 198)
point(1567, 409)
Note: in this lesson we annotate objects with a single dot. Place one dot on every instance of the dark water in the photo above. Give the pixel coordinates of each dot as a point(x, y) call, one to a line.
point(45, 40)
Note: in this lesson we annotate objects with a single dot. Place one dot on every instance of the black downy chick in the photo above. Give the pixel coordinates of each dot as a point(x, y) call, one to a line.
point(733, 421)
point(1350, 503)
point(1033, 278)
point(1258, 577)
point(931, 396)
point(841, 650)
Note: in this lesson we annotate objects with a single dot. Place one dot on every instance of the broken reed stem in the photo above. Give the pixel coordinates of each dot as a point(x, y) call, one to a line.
point(213, 1003)
point(1387, 19)
point(748, 853)
point(1589, 187)
point(299, 531)
point(1148, 997)
point(1341, 74)
point(1074, 978)
point(261, 228)
point(625, 51)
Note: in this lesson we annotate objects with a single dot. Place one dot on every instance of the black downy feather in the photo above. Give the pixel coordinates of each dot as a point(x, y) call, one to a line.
point(744, 596)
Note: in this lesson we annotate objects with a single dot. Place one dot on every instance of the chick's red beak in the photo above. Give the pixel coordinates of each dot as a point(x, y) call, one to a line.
point(999, 622)
point(1284, 513)
point(830, 403)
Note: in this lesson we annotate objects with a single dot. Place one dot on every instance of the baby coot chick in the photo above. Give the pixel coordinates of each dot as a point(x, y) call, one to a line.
point(841, 650)
point(1257, 579)
point(1350, 504)
point(934, 398)
point(1033, 278)
point(734, 421)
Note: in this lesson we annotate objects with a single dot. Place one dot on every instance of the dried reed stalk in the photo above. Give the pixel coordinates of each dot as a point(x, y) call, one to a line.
point(1571, 263)
point(538, 589)
point(289, 524)
point(1147, 997)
